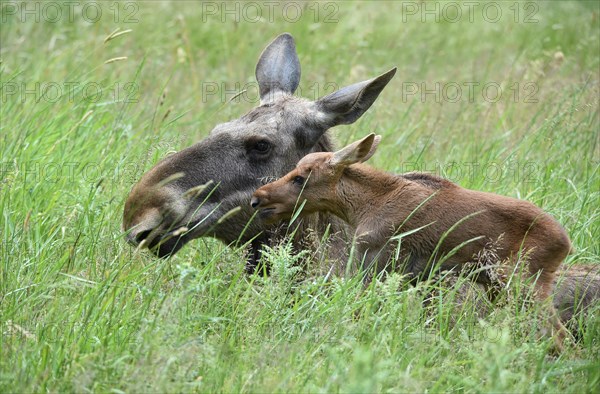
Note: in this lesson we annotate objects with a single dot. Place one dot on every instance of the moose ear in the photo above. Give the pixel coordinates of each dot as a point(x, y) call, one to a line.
point(278, 68)
point(356, 152)
point(348, 104)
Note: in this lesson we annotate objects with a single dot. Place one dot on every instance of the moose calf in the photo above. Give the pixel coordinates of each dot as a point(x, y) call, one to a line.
point(420, 221)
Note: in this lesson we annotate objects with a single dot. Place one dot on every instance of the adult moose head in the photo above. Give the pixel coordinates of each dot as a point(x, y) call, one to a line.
point(167, 208)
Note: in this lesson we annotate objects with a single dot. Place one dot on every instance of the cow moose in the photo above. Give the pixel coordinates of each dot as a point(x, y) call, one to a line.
point(169, 206)
point(419, 220)
point(205, 190)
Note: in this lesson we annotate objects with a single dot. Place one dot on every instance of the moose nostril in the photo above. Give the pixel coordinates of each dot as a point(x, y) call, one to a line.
point(255, 202)
point(139, 237)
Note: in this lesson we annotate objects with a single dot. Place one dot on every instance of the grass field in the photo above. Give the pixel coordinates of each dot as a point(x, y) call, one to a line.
point(504, 102)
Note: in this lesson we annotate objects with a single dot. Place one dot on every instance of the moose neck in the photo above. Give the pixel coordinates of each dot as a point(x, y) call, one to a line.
point(360, 189)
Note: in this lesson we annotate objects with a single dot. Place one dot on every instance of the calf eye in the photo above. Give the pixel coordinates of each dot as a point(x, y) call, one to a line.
point(298, 180)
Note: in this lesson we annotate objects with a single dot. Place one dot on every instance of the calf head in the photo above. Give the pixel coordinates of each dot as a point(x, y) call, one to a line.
point(312, 184)
point(204, 190)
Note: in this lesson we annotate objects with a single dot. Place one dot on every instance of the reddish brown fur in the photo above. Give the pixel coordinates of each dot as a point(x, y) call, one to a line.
point(380, 205)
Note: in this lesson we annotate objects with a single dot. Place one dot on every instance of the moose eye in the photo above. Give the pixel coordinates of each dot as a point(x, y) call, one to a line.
point(262, 146)
point(298, 180)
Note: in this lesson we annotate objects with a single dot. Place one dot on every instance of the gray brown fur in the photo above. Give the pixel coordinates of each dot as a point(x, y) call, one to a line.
point(237, 156)
point(577, 291)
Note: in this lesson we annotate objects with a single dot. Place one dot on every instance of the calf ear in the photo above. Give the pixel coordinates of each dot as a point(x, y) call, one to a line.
point(348, 104)
point(278, 68)
point(356, 152)
point(374, 145)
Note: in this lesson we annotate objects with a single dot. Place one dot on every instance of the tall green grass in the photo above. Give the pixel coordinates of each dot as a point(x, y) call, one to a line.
point(82, 311)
